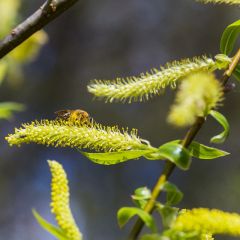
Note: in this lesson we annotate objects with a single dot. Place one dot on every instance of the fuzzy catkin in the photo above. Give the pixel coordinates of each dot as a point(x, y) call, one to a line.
point(206, 236)
point(59, 133)
point(60, 202)
point(153, 83)
point(197, 95)
point(229, 2)
point(208, 221)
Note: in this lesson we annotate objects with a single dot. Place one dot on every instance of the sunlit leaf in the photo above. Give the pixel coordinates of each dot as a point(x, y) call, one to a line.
point(126, 213)
point(110, 158)
point(229, 37)
point(55, 231)
point(201, 151)
point(141, 195)
point(220, 138)
point(173, 152)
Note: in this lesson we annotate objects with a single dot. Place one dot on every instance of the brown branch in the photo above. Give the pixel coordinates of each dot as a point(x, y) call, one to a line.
point(50, 10)
point(169, 166)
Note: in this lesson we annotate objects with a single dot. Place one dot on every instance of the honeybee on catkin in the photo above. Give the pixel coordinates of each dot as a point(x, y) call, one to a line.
point(74, 116)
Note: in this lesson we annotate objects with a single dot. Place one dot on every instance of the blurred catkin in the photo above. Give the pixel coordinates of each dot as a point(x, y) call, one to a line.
point(197, 95)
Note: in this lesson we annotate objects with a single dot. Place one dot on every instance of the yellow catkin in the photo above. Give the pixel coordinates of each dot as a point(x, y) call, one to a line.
point(153, 83)
point(60, 202)
point(206, 236)
point(208, 221)
point(197, 95)
point(59, 133)
point(229, 2)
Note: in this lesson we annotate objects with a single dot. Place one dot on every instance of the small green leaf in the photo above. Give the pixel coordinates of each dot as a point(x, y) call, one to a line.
point(222, 61)
point(111, 158)
point(141, 195)
point(153, 237)
point(174, 152)
point(168, 214)
point(126, 213)
point(174, 195)
point(171, 234)
point(201, 151)
point(220, 138)
point(236, 72)
point(229, 37)
point(55, 231)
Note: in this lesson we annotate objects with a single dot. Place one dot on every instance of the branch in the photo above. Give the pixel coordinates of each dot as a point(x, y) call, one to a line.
point(169, 166)
point(50, 10)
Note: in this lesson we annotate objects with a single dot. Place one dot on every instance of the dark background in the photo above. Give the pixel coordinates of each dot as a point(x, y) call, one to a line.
point(104, 40)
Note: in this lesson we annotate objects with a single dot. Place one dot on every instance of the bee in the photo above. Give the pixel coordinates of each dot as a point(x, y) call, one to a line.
point(74, 116)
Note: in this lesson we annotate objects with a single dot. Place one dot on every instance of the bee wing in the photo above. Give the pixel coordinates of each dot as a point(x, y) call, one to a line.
point(63, 113)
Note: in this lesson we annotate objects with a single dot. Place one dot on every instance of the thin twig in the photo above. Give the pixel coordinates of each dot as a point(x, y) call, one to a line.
point(45, 14)
point(227, 74)
point(169, 166)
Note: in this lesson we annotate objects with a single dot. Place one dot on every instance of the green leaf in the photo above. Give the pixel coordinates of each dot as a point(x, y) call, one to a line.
point(174, 152)
point(220, 138)
point(110, 158)
point(7, 109)
point(201, 151)
point(171, 234)
point(222, 61)
point(229, 37)
point(174, 195)
point(153, 237)
point(55, 231)
point(236, 72)
point(140, 197)
point(126, 213)
point(168, 214)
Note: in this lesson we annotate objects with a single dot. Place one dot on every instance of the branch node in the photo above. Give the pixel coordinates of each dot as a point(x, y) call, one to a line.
point(14, 32)
point(53, 5)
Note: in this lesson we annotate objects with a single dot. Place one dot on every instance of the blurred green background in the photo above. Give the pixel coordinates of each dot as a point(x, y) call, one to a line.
point(104, 40)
